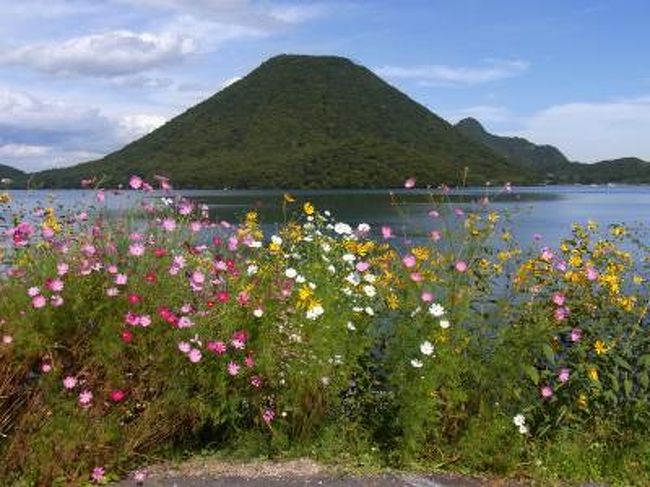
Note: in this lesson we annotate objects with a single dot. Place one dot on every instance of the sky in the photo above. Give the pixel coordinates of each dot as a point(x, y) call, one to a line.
point(81, 78)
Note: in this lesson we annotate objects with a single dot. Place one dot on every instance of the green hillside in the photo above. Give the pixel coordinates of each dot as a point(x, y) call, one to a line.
point(11, 177)
point(302, 121)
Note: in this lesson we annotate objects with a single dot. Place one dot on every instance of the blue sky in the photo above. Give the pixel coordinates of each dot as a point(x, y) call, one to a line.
point(80, 78)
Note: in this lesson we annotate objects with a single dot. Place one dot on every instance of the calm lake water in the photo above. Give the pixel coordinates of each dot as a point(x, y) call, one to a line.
point(548, 211)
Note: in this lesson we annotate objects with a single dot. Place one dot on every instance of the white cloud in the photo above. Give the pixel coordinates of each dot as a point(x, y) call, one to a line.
point(440, 74)
point(37, 134)
point(108, 54)
point(589, 132)
point(23, 150)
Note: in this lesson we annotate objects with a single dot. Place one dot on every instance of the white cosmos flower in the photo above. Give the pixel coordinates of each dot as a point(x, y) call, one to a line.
point(349, 258)
point(370, 291)
point(351, 326)
point(326, 247)
point(426, 347)
point(436, 310)
point(415, 311)
point(444, 324)
point(523, 429)
point(519, 420)
point(315, 312)
point(300, 279)
point(311, 285)
point(417, 363)
point(342, 228)
point(369, 277)
point(331, 269)
point(291, 273)
point(347, 291)
point(353, 278)
point(369, 311)
point(255, 244)
point(258, 312)
point(252, 270)
point(276, 239)
point(363, 228)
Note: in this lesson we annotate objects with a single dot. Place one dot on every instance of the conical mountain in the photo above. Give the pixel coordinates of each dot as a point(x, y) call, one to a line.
point(302, 121)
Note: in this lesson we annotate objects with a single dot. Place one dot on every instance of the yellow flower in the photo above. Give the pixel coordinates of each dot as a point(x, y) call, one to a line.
point(5, 198)
point(617, 231)
point(582, 401)
point(274, 247)
point(638, 280)
point(420, 253)
point(288, 198)
point(392, 301)
point(493, 217)
point(304, 293)
point(593, 374)
point(575, 260)
point(308, 208)
point(600, 347)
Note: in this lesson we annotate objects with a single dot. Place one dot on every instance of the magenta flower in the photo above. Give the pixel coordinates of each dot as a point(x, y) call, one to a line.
point(33, 291)
point(256, 381)
point(169, 224)
point(184, 347)
point(121, 279)
point(427, 296)
point(268, 415)
point(218, 348)
point(362, 266)
point(547, 254)
point(62, 268)
point(136, 250)
point(117, 395)
point(249, 362)
point(386, 232)
point(561, 313)
point(461, 266)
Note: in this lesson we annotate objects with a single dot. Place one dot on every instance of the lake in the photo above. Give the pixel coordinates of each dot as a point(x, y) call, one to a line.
point(548, 210)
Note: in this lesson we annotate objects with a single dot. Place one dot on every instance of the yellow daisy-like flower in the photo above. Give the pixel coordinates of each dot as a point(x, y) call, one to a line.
point(5, 198)
point(600, 347)
point(308, 208)
point(392, 301)
point(593, 374)
point(289, 198)
point(420, 253)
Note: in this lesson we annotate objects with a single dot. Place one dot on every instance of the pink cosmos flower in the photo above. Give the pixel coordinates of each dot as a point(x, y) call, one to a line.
point(85, 398)
point(409, 260)
point(243, 298)
point(563, 375)
point(136, 249)
point(576, 335)
point(559, 299)
point(362, 266)
point(546, 391)
point(39, 301)
point(256, 381)
point(561, 266)
point(249, 361)
point(69, 382)
point(386, 232)
point(33, 292)
point(184, 347)
point(55, 285)
point(100, 196)
point(135, 182)
point(47, 233)
point(409, 183)
point(121, 279)
point(46, 367)
point(56, 300)
point(435, 235)
point(547, 254)
point(169, 224)
point(112, 292)
point(126, 336)
point(62, 268)
point(416, 277)
point(233, 368)
point(98, 475)
point(139, 476)
point(195, 226)
point(7, 339)
point(461, 266)
point(145, 321)
point(195, 355)
point(592, 274)
point(184, 322)
point(433, 214)
point(459, 212)
point(427, 296)
point(561, 313)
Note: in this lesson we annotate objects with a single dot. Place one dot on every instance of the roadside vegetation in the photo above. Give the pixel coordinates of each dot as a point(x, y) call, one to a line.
point(128, 340)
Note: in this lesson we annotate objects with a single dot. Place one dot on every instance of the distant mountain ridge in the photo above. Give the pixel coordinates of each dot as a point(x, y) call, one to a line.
point(550, 165)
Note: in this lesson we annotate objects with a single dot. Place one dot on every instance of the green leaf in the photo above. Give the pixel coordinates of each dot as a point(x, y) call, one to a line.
point(623, 363)
point(532, 373)
point(627, 386)
point(548, 352)
point(643, 379)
